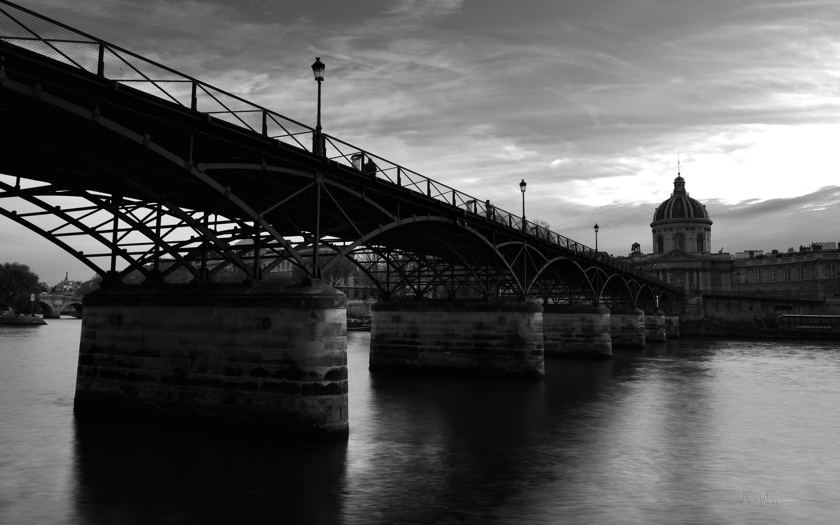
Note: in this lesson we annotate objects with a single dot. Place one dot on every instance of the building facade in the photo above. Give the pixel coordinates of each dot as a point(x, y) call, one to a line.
point(681, 233)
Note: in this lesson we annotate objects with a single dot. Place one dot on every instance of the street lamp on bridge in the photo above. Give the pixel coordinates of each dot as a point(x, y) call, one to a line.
point(522, 187)
point(318, 147)
point(596, 238)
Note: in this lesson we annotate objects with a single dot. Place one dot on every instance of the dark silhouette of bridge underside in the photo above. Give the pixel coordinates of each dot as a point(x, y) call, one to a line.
point(201, 181)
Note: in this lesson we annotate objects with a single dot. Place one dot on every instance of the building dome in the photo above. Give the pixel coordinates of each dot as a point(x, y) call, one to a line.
point(680, 206)
point(681, 223)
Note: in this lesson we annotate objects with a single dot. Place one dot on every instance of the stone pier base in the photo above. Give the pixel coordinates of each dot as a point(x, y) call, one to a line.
point(240, 355)
point(672, 327)
point(627, 327)
point(655, 327)
point(577, 331)
point(463, 337)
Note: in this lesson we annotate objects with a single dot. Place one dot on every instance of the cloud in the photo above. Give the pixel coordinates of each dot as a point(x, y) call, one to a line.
point(421, 9)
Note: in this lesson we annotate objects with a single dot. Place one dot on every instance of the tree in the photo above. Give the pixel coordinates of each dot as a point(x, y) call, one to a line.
point(339, 272)
point(89, 285)
point(17, 282)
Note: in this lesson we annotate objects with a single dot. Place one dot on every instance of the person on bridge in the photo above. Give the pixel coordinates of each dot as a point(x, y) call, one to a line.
point(370, 167)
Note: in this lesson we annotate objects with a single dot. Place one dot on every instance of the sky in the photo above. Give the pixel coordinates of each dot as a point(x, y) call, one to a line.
point(592, 103)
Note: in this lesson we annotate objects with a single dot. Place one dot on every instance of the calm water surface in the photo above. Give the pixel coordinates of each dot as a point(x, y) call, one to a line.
point(692, 431)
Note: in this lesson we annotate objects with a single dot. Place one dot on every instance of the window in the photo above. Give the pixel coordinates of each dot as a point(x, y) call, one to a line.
point(701, 243)
point(660, 244)
point(679, 241)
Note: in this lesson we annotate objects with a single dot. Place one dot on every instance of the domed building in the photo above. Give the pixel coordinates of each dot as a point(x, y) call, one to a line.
point(681, 223)
point(747, 284)
point(682, 238)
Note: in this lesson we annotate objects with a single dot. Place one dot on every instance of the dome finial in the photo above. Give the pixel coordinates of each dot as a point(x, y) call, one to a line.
point(679, 182)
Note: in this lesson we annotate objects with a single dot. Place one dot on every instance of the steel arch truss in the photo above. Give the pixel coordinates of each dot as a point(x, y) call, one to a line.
point(118, 235)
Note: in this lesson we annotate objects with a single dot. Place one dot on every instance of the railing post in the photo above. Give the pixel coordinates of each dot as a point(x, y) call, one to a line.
point(264, 123)
point(100, 64)
point(194, 99)
point(399, 176)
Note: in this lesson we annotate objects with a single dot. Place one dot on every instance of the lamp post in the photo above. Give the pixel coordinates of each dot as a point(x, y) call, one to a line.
point(318, 147)
point(596, 238)
point(522, 187)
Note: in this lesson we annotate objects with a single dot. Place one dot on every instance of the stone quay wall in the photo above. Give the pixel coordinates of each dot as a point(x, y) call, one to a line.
point(255, 354)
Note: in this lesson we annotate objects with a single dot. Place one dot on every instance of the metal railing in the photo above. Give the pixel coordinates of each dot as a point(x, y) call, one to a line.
point(29, 30)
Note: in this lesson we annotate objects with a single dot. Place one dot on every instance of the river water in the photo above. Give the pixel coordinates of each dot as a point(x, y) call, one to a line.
point(692, 431)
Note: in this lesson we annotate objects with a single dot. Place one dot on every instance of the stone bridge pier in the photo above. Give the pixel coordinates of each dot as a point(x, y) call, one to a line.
point(462, 337)
point(264, 355)
point(577, 331)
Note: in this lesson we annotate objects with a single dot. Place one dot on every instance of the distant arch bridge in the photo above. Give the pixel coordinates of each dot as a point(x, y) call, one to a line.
point(54, 305)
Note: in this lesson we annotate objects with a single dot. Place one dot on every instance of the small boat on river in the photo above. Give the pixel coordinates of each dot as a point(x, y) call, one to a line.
point(358, 324)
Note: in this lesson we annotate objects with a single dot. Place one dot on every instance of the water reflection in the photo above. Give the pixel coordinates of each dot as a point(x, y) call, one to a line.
point(131, 475)
point(674, 432)
point(446, 450)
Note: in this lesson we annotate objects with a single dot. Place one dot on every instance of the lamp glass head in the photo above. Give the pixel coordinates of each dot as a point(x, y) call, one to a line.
point(318, 69)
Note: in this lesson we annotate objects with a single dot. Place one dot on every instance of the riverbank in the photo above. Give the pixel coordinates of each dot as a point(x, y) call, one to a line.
point(751, 329)
point(19, 319)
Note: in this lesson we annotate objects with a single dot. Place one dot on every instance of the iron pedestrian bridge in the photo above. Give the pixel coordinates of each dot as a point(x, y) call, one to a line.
point(164, 173)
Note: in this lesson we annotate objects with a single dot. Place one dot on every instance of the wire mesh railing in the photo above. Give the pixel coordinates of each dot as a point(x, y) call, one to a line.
point(29, 30)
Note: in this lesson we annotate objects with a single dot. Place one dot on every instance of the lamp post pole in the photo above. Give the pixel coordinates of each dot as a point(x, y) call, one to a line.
point(318, 139)
point(318, 149)
point(522, 187)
